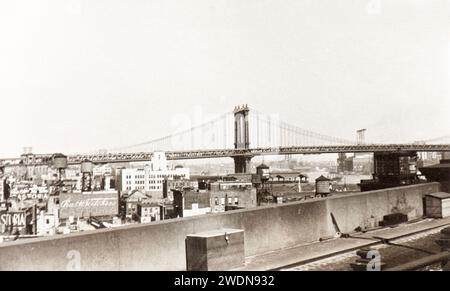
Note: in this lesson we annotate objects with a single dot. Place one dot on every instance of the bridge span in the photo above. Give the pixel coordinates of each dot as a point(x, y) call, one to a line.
point(233, 153)
point(269, 136)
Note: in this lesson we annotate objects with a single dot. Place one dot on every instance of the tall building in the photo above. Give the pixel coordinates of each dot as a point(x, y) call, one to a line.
point(150, 178)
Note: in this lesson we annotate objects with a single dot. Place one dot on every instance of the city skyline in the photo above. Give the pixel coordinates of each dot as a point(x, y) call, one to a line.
point(83, 76)
point(225, 135)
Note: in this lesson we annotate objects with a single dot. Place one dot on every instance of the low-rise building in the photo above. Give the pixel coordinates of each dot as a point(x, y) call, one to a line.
point(102, 170)
point(220, 196)
point(189, 202)
point(176, 183)
point(131, 202)
point(230, 195)
point(47, 222)
point(148, 212)
point(281, 186)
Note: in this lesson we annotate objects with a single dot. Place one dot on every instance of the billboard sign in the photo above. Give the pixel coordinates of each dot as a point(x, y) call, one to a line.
point(86, 205)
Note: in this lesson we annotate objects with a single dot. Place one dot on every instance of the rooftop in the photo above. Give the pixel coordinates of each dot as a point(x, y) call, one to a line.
point(439, 195)
point(322, 178)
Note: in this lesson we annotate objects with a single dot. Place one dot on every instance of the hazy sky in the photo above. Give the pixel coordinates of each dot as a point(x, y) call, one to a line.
point(82, 75)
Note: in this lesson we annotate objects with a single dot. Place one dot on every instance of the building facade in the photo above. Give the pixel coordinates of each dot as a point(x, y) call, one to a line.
point(230, 195)
point(150, 178)
point(188, 202)
point(102, 170)
point(148, 212)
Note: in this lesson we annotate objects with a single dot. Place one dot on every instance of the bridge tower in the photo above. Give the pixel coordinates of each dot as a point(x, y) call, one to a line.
point(241, 138)
point(361, 136)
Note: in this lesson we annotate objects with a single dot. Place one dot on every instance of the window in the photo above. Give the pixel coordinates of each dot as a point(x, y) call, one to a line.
point(230, 200)
point(222, 201)
point(236, 201)
point(216, 201)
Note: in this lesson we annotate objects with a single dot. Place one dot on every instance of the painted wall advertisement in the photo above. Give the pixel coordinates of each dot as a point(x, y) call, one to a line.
point(13, 219)
point(86, 205)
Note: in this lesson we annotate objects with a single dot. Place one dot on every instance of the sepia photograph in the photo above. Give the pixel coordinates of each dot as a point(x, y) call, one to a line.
point(225, 142)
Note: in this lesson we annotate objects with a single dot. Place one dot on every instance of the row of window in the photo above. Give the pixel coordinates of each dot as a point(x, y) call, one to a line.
point(160, 176)
point(141, 182)
point(235, 187)
point(222, 201)
point(135, 188)
point(153, 176)
point(149, 210)
point(135, 182)
point(129, 188)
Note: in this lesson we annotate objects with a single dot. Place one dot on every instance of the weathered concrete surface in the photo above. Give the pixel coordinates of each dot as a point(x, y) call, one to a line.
point(161, 245)
point(215, 250)
point(307, 253)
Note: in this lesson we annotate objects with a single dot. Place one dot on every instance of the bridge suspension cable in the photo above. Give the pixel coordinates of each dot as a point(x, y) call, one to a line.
point(201, 136)
point(218, 133)
point(440, 138)
point(271, 131)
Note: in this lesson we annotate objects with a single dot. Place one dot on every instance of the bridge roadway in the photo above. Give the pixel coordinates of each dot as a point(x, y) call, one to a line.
point(222, 153)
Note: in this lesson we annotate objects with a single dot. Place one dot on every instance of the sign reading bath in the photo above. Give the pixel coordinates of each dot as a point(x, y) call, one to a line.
point(86, 205)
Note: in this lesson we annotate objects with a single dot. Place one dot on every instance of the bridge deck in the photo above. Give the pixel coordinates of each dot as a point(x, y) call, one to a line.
point(222, 153)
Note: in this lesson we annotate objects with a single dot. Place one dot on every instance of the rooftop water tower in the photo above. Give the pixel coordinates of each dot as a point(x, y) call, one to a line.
point(27, 150)
point(86, 179)
point(60, 163)
point(263, 171)
point(323, 186)
point(28, 157)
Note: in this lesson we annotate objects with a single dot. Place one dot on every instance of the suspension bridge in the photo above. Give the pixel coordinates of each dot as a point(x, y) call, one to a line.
point(241, 134)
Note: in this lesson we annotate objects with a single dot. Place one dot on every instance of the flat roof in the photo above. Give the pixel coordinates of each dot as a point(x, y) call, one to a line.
point(439, 195)
point(437, 166)
point(215, 232)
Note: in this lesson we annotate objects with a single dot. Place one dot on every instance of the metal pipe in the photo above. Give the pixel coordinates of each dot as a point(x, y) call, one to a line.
point(423, 262)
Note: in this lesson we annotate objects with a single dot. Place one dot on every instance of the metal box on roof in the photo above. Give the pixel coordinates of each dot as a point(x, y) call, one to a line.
point(437, 205)
point(215, 250)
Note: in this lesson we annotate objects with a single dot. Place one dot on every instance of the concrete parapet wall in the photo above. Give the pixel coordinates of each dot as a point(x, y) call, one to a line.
point(161, 245)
